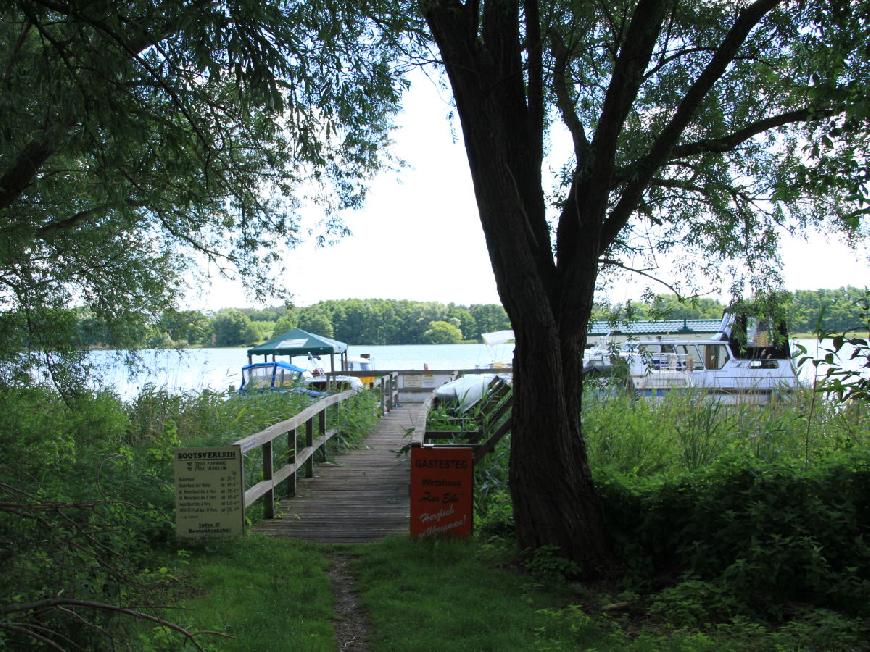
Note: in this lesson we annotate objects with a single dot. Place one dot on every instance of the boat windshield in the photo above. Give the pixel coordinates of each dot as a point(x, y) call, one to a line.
point(258, 377)
point(269, 376)
point(680, 356)
point(757, 338)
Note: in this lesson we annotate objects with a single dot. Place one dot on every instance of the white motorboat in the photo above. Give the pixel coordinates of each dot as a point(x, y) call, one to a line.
point(283, 376)
point(596, 357)
point(464, 392)
point(747, 363)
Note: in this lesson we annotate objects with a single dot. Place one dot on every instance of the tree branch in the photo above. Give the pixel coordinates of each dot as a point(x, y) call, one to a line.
point(71, 221)
point(563, 99)
point(535, 99)
point(30, 632)
point(579, 221)
point(617, 263)
point(22, 171)
point(664, 61)
point(662, 147)
point(16, 50)
point(625, 81)
point(57, 603)
point(733, 140)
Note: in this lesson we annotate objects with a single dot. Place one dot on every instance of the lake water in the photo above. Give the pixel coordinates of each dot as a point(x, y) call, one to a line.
point(218, 369)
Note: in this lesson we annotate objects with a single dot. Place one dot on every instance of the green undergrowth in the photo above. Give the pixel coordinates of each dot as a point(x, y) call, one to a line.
point(87, 499)
point(474, 595)
point(727, 520)
point(687, 431)
point(256, 593)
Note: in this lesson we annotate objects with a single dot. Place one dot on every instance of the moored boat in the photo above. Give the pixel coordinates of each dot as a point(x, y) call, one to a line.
point(463, 393)
point(748, 362)
point(283, 376)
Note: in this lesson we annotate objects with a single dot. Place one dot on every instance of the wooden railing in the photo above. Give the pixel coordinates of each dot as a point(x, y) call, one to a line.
point(491, 421)
point(300, 459)
point(386, 382)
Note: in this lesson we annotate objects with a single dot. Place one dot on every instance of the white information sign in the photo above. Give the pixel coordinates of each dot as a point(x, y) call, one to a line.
point(209, 492)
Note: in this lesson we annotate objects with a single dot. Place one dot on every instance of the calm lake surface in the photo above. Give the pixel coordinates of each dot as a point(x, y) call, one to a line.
point(219, 369)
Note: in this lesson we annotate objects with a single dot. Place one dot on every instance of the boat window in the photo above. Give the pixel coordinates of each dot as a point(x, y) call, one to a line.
point(694, 360)
point(759, 338)
point(715, 356)
point(259, 378)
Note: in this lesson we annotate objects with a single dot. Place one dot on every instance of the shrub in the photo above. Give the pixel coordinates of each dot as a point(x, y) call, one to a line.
point(772, 533)
point(86, 499)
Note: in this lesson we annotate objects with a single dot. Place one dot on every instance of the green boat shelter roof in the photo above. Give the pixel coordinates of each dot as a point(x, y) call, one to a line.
point(667, 327)
point(298, 342)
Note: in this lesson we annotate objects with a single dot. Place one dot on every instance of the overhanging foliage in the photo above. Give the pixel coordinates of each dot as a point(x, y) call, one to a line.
point(140, 137)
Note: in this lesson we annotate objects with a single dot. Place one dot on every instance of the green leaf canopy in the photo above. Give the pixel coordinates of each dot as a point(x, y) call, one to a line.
point(141, 139)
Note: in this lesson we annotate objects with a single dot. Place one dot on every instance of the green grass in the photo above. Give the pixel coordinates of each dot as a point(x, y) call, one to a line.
point(472, 595)
point(468, 595)
point(444, 595)
point(464, 596)
point(257, 593)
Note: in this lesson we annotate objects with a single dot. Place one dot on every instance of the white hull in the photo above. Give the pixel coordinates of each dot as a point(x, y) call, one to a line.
point(662, 366)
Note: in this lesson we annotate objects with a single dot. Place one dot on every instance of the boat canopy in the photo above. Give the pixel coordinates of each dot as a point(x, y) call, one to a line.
point(279, 364)
point(299, 342)
point(498, 337)
point(694, 327)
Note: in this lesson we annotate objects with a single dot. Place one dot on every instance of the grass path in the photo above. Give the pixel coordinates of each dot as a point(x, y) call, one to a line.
point(351, 623)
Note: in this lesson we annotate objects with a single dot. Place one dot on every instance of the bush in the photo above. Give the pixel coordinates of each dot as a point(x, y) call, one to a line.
point(728, 519)
point(82, 511)
point(771, 533)
point(87, 499)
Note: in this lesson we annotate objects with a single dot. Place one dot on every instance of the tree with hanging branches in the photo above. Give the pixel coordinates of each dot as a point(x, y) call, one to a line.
point(142, 139)
point(705, 126)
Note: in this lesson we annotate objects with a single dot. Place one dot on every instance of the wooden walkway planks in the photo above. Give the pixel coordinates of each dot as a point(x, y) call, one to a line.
point(361, 495)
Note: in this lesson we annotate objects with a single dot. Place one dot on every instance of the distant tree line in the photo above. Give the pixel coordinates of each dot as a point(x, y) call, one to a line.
point(388, 321)
point(807, 311)
point(355, 321)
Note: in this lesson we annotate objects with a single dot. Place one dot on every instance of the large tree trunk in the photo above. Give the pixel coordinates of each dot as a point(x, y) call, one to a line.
point(554, 500)
point(553, 497)
point(493, 54)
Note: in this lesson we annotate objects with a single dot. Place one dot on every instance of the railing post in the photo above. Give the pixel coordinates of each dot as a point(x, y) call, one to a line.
point(291, 459)
point(269, 497)
point(309, 442)
point(321, 430)
point(390, 397)
point(383, 397)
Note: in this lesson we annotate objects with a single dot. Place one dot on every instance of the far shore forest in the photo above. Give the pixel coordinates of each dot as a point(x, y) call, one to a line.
point(387, 321)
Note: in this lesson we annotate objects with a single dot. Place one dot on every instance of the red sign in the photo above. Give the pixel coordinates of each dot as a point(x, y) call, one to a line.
point(442, 486)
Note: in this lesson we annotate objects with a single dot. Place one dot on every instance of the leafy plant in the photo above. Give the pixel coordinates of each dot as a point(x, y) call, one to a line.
point(841, 381)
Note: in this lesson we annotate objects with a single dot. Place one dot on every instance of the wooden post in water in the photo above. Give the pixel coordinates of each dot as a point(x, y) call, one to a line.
point(269, 497)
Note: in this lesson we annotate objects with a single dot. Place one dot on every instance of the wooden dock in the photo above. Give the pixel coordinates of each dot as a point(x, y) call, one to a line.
point(359, 496)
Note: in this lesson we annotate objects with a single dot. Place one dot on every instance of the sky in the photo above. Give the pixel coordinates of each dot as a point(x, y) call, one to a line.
point(418, 236)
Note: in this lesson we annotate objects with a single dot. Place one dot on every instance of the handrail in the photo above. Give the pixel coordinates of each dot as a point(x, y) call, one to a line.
point(300, 459)
point(494, 419)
